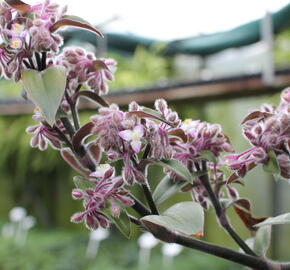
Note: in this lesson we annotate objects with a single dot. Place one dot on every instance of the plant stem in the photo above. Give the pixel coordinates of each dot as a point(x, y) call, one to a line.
point(146, 188)
point(231, 255)
point(149, 198)
point(139, 207)
point(170, 236)
point(43, 60)
point(68, 126)
point(74, 112)
point(31, 63)
point(135, 220)
point(221, 213)
point(74, 115)
point(146, 151)
point(38, 61)
point(26, 64)
point(63, 137)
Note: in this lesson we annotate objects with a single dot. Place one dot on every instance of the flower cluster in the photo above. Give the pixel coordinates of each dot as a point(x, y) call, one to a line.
point(267, 130)
point(202, 136)
point(85, 68)
point(44, 134)
point(25, 32)
point(121, 136)
point(107, 126)
point(106, 189)
point(160, 133)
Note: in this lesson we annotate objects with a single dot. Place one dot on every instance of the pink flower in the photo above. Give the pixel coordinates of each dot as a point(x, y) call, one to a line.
point(134, 137)
point(107, 125)
point(85, 68)
point(107, 191)
point(103, 171)
point(267, 130)
point(22, 35)
point(42, 136)
point(203, 136)
point(130, 173)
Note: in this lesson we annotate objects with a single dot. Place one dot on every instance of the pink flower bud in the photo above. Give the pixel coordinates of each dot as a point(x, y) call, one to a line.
point(109, 173)
point(285, 96)
point(77, 217)
point(77, 194)
point(233, 193)
point(91, 222)
point(128, 175)
point(125, 200)
point(133, 106)
point(103, 221)
point(161, 105)
point(112, 155)
point(115, 210)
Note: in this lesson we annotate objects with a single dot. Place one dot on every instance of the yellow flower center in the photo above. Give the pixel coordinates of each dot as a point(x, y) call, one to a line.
point(104, 166)
point(16, 27)
point(16, 43)
point(187, 121)
point(135, 136)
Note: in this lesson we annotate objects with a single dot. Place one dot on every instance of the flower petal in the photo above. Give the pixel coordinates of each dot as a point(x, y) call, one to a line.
point(139, 130)
point(126, 135)
point(136, 145)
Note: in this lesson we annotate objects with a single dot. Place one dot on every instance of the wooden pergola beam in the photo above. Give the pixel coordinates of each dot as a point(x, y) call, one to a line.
point(234, 87)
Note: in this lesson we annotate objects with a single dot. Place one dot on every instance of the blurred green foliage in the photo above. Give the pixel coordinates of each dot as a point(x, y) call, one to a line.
point(65, 250)
point(282, 48)
point(145, 68)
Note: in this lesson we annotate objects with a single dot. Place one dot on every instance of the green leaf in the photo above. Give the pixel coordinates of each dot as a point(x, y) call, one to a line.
point(45, 89)
point(255, 115)
point(166, 188)
point(177, 167)
point(272, 166)
point(279, 220)
point(92, 96)
point(149, 113)
point(184, 217)
point(262, 240)
point(99, 65)
point(79, 137)
point(75, 21)
point(122, 222)
point(208, 155)
point(83, 183)
point(178, 132)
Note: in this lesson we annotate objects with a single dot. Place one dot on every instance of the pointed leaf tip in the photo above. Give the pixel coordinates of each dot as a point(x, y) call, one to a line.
point(175, 166)
point(185, 217)
point(18, 5)
point(278, 220)
point(75, 21)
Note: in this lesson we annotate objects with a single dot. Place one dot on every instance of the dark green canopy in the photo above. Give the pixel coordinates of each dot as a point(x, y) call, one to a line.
point(245, 34)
